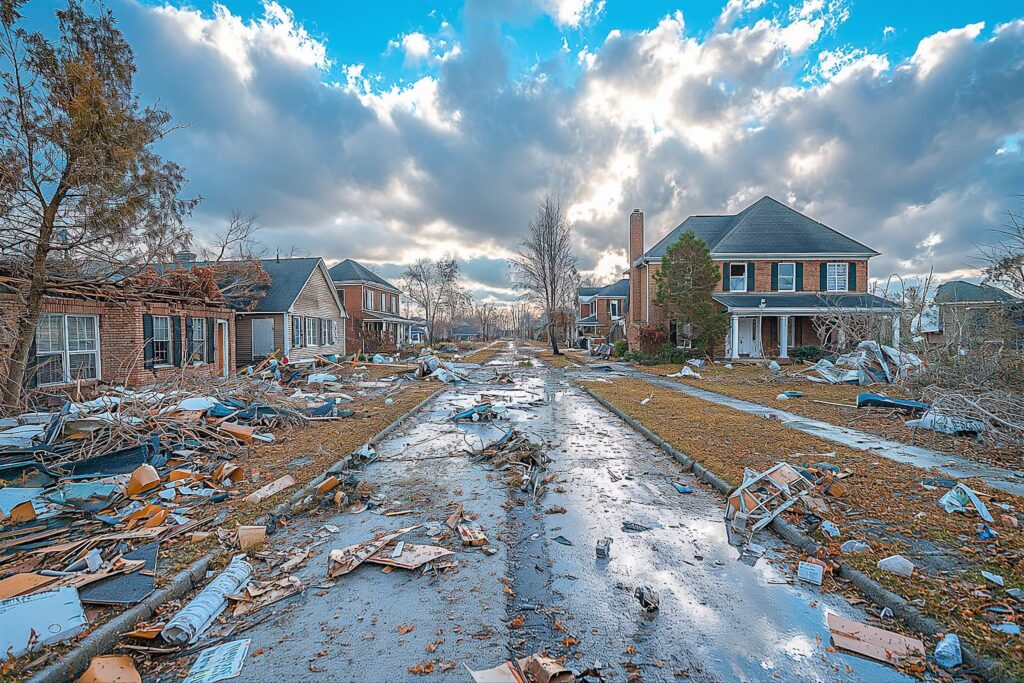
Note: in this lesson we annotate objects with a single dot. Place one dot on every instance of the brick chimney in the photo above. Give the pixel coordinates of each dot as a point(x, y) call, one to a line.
point(636, 250)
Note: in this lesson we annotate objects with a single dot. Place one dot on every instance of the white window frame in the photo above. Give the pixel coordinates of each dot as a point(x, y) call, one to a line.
point(324, 336)
point(732, 286)
point(311, 332)
point(383, 302)
point(792, 287)
point(791, 333)
point(368, 299)
point(158, 362)
point(297, 337)
point(394, 304)
point(613, 308)
point(197, 344)
point(65, 352)
point(842, 271)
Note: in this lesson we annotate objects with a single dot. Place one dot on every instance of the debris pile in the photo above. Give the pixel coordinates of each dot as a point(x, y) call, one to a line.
point(514, 452)
point(869, 363)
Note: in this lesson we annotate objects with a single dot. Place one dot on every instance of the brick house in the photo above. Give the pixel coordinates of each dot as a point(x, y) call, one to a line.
point(300, 316)
point(779, 270)
point(120, 335)
point(373, 305)
point(601, 313)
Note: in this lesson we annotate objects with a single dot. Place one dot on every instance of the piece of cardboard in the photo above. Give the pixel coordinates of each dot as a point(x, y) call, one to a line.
point(249, 536)
point(343, 560)
point(111, 669)
point(228, 472)
point(21, 513)
point(471, 535)
point(243, 433)
point(271, 489)
point(811, 573)
point(885, 646)
point(327, 485)
point(412, 557)
point(144, 478)
point(22, 584)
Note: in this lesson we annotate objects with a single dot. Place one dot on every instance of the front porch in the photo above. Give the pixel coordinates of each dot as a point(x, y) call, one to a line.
point(771, 325)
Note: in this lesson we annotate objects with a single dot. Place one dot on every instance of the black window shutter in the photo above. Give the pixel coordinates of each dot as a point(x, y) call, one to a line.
point(775, 277)
point(725, 276)
point(823, 273)
point(176, 341)
point(750, 277)
point(211, 335)
point(852, 284)
point(189, 344)
point(799, 277)
point(147, 334)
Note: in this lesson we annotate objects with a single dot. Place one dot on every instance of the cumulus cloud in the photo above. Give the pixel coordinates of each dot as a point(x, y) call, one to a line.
point(914, 158)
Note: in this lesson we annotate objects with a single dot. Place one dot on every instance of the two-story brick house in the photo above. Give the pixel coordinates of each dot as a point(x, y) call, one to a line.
point(373, 304)
point(779, 270)
point(601, 312)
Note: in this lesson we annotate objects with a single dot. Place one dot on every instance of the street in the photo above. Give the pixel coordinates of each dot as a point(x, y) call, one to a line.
point(720, 618)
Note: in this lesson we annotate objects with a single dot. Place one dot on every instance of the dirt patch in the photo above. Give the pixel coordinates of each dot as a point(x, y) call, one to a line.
point(884, 503)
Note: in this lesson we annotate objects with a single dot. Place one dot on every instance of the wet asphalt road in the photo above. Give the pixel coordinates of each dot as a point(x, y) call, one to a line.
point(719, 619)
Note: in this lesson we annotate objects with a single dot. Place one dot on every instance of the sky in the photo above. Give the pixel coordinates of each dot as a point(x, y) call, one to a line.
point(387, 131)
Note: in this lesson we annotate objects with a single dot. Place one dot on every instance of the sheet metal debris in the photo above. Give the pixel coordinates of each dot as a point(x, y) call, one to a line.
point(192, 620)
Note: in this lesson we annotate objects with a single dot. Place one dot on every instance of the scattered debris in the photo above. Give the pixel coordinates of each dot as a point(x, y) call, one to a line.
point(111, 669)
point(866, 400)
point(604, 547)
point(344, 560)
point(763, 496)
point(897, 564)
point(194, 618)
point(947, 652)
point(948, 424)
point(32, 621)
point(648, 599)
point(634, 528)
point(959, 497)
point(811, 570)
point(686, 372)
point(884, 646)
point(219, 663)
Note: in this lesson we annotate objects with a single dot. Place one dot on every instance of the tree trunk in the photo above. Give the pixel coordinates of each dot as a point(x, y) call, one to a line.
point(11, 386)
point(554, 339)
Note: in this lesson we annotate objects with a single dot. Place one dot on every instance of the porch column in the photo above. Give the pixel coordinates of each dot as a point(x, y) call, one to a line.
point(734, 336)
point(783, 336)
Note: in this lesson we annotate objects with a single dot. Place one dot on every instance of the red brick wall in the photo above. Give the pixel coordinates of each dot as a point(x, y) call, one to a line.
point(354, 298)
point(812, 279)
point(121, 337)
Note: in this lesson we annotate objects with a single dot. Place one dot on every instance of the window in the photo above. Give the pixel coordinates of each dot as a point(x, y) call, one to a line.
point(334, 331)
point(324, 330)
point(394, 305)
point(613, 308)
point(67, 348)
point(787, 277)
point(161, 340)
point(197, 343)
point(383, 305)
point(369, 300)
point(737, 277)
point(311, 331)
point(297, 332)
point(836, 280)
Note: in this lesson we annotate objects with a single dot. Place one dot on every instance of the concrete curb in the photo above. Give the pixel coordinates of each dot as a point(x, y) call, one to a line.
point(990, 668)
point(107, 635)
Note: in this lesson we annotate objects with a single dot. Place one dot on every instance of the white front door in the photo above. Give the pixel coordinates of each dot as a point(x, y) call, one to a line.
point(746, 342)
point(262, 337)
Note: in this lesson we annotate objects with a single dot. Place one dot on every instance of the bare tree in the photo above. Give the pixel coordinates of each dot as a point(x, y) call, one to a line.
point(1003, 262)
point(237, 242)
point(84, 194)
point(486, 317)
point(433, 287)
point(545, 267)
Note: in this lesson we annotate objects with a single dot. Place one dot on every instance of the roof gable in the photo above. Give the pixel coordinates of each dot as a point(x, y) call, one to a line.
point(616, 289)
point(765, 227)
point(353, 271)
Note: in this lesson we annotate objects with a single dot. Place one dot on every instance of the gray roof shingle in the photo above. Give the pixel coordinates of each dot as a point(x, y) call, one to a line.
point(960, 291)
point(288, 276)
point(616, 289)
point(765, 227)
point(353, 271)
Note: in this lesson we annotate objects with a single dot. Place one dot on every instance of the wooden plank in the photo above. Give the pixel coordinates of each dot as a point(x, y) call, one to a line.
point(885, 646)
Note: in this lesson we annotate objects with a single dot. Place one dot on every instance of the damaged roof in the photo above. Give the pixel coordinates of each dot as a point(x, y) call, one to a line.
point(765, 227)
point(960, 291)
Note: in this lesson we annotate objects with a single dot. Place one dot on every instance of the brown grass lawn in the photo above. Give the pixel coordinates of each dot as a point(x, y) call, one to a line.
point(883, 504)
point(757, 384)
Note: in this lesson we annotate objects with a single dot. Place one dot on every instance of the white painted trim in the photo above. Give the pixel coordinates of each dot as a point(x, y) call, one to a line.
point(778, 275)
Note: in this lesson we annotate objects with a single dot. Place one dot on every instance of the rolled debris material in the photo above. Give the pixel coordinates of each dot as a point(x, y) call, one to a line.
point(193, 619)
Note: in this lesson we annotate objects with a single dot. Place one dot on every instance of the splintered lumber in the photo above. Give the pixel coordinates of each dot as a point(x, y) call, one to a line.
point(343, 560)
